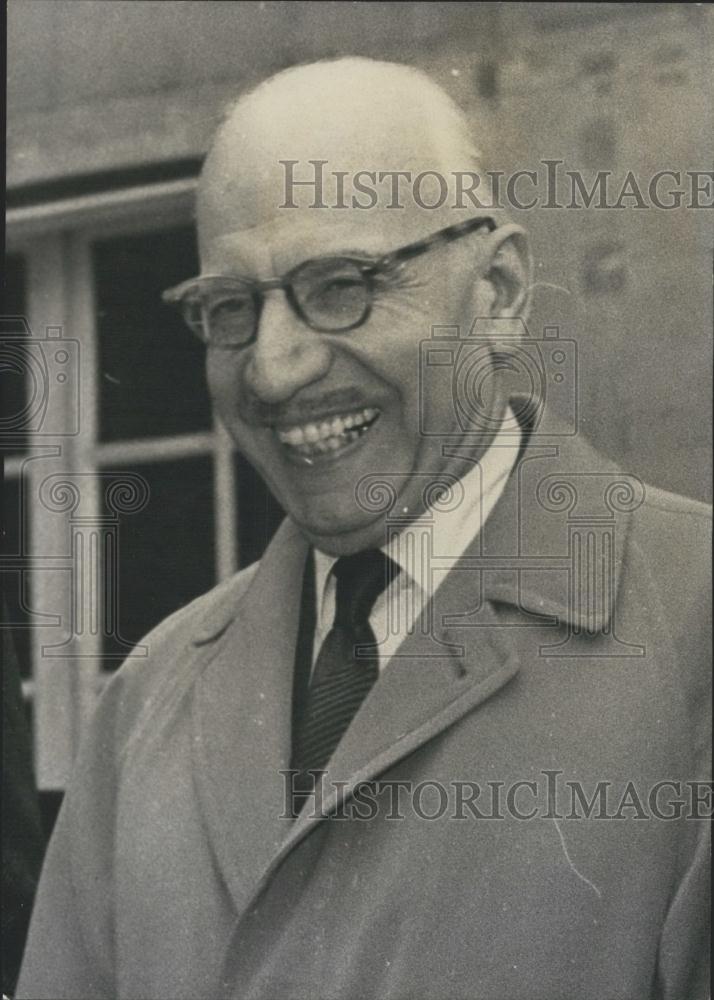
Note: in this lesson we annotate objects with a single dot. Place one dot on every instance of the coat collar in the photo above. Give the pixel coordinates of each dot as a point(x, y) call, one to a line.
point(242, 708)
point(558, 483)
point(562, 495)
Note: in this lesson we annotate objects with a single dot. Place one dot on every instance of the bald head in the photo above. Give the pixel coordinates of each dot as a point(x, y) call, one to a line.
point(356, 114)
point(337, 339)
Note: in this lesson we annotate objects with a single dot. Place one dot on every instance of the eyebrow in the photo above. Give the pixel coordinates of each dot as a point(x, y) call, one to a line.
point(354, 252)
point(359, 252)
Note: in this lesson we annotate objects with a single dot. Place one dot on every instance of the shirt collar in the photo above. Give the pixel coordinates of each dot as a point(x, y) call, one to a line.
point(453, 530)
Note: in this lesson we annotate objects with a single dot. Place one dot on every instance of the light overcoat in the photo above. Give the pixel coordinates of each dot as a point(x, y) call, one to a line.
point(566, 648)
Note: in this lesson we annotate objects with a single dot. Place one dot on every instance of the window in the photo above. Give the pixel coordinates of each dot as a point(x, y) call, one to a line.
point(14, 401)
point(125, 499)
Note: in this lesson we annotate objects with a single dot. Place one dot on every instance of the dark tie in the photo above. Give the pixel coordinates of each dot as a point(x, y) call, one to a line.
point(341, 679)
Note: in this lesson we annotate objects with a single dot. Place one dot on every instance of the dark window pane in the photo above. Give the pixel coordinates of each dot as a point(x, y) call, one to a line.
point(151, 367)
point(165, 551)
point(15, 518)
point(258, 513)
point(15, 582)
point(50, 803)
point(14, 413)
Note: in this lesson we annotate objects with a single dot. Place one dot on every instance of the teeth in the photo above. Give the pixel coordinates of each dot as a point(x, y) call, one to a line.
point(329, 435)
point(293, 436)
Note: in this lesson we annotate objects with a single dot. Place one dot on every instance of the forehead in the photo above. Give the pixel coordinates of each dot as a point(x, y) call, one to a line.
point(291, 178)
point(264, 224)
point(283, 241)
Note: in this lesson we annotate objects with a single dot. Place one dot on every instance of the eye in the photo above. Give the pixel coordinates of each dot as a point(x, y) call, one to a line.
point(230, 319)
point(335, 293)
point(229, 308)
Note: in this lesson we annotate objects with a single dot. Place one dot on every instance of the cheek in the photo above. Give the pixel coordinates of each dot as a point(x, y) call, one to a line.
point(403, 318)
point(223, 379)
point(391, 347)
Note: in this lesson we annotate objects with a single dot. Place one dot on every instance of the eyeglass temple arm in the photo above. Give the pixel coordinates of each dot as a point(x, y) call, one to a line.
point(174, 295)
point(447, 235)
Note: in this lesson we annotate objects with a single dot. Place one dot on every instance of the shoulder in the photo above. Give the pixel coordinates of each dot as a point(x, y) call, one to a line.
point(674, 528)
point(153, 683)
point(661, 503)
point(167, 660)
point(202, 617)
point(667, 567)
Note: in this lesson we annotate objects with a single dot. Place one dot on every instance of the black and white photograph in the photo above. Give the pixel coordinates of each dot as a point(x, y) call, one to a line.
point(357, 443)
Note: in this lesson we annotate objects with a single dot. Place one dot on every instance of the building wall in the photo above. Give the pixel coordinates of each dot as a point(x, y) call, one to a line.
point(106, 86)
point(111, 105)
point(92, 85)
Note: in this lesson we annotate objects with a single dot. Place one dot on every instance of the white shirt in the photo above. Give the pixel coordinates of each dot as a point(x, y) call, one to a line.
point(452, 531)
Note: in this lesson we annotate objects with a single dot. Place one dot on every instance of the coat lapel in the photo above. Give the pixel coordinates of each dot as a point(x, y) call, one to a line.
point(242, 717)
point(242, 712)
point(430, 684)
point(471, 649)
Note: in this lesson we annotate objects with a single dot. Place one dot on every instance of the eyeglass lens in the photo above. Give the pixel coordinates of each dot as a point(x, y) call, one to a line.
point(330, 295)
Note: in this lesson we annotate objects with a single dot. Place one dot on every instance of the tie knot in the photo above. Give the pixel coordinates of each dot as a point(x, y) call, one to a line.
point(361, 578)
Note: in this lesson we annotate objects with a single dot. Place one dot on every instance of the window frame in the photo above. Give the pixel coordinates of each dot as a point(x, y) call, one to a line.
point(55, 239)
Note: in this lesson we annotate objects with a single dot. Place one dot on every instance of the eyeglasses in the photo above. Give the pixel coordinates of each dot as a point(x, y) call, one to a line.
point(329, 294)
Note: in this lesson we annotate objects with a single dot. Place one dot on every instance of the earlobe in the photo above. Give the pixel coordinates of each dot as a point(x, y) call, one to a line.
point(510, 272)
point(484, 297)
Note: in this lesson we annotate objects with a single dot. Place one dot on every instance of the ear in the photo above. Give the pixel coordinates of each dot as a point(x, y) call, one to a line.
point(508, 272)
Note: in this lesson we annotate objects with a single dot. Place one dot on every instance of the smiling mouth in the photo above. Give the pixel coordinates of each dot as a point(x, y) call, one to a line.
point(327, 437)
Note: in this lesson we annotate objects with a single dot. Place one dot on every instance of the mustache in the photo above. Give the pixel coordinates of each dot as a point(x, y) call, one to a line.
point(306, 409)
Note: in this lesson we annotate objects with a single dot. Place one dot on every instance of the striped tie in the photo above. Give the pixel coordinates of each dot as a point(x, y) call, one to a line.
point(341, 680)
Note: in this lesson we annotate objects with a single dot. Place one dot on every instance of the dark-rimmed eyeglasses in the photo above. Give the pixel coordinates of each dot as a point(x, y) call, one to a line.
point(329, 294)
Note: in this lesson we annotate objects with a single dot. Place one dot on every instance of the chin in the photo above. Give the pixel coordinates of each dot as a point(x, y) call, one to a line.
point(345, 539)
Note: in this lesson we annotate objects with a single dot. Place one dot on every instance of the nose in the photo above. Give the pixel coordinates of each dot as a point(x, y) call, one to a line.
point(286, 356)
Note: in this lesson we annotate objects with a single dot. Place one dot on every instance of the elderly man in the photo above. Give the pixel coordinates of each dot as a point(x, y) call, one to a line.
point(447, 738)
